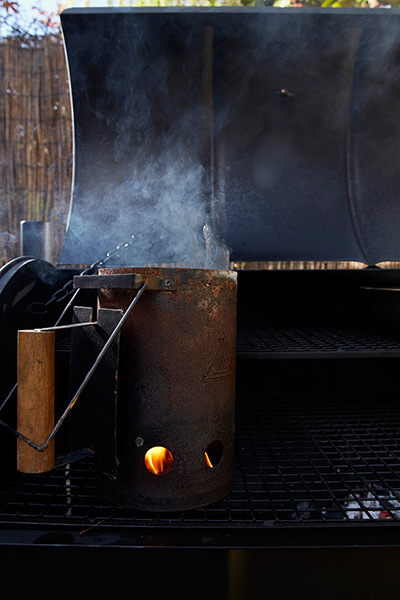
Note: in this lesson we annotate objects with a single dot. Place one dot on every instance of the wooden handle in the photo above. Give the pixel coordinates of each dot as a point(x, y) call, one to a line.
point(35, 403)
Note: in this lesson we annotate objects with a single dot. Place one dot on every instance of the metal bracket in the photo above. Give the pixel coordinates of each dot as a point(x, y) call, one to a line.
point(93, 422)
point(130, 281)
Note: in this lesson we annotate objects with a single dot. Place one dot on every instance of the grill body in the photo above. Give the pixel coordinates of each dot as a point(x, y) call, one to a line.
point(315, 494)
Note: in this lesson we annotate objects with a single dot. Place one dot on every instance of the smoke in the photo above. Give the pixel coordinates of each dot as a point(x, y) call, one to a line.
point(143, 165)
point(163, 206)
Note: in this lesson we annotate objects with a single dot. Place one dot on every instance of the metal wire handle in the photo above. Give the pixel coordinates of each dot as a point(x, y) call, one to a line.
point(86, 380)
point(62, 293)
point(67, 289)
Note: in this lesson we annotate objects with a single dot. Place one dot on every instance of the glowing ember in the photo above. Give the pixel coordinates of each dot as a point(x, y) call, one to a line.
point(158, 460)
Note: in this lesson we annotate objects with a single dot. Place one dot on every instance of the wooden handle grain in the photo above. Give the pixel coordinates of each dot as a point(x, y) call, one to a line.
point(35, 403)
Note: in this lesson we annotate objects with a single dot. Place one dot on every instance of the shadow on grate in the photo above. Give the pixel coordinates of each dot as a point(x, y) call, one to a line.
point(297, 461)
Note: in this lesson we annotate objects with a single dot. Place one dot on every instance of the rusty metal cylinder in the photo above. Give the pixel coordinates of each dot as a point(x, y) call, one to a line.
point(176, 391)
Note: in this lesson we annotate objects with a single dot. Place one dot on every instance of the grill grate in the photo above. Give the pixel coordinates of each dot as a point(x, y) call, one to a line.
point(323, 461)
point(298, 462)
point(315, 342)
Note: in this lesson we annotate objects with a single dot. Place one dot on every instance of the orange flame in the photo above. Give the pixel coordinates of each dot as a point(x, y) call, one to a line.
point(208, 461)
point(158, 460)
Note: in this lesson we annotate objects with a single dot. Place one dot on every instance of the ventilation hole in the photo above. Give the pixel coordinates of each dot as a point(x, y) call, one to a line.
point(213, 453)
point(158, 460)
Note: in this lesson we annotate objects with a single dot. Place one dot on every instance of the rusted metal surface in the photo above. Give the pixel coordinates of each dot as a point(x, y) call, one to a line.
point(176, 389)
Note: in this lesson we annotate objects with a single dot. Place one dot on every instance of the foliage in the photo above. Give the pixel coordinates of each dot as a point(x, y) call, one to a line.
point(13, 19)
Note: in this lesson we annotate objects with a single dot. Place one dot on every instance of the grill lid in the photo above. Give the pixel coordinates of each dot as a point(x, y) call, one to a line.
point(278, 129)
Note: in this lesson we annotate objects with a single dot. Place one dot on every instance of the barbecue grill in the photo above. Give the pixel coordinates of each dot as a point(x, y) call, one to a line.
point(210, 144)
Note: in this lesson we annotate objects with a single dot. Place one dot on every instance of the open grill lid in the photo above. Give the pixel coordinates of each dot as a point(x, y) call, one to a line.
point(277, 128)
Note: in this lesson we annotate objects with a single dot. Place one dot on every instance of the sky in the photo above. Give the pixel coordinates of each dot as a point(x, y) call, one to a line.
point(28, 8)
point(52, 5)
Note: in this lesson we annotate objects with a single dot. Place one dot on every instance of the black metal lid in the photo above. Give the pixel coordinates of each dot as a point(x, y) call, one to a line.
point(277, 129)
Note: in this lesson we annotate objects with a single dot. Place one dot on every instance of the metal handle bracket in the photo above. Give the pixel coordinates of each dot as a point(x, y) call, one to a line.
point(130, 281)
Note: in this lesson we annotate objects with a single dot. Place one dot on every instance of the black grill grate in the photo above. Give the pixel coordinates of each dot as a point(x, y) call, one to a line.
point(298, 462)
point(323, 461)
point(318, 342)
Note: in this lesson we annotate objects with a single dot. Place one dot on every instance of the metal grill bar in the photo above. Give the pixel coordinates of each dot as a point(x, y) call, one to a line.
point(315, 342)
